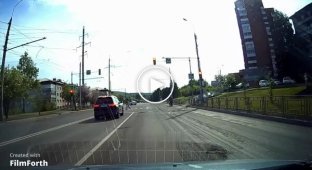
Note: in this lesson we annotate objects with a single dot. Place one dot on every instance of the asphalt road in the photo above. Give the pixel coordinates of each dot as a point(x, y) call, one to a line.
point(151, 134)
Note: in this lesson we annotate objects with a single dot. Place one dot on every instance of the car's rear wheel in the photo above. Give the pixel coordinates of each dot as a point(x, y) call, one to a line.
point(117, 114)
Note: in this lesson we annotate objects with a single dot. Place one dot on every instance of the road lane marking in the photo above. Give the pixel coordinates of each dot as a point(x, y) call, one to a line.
point(86, 156)
point(41, 132)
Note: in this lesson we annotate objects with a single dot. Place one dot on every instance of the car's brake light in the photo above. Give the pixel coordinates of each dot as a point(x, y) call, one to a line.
point(96, 105)
point(111, 105)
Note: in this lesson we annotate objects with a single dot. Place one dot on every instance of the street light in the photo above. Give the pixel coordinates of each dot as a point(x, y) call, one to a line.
point(199, 68)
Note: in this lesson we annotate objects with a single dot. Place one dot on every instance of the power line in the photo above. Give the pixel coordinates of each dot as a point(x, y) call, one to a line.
point(52, 48)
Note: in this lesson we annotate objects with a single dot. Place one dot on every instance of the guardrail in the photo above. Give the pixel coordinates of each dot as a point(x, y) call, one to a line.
point(282, 106)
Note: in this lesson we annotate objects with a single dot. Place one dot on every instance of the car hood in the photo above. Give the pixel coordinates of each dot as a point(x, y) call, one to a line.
point(227, 164)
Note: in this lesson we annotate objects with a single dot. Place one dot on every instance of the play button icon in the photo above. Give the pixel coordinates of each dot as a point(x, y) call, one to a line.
point(155, 84)
point(154, 78)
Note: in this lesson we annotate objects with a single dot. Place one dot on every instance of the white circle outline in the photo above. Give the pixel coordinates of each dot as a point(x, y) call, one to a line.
point(155, 67)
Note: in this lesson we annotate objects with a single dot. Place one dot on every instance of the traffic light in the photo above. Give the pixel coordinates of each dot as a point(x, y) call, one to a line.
point(71, 91)
point(154, 61)
point(168, 60)
point(99, 71)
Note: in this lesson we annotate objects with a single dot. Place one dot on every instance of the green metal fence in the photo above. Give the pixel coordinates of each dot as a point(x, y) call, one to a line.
point(295, 106)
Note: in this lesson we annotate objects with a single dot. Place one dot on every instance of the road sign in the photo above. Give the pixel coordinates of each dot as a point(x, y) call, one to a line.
point(191, 76)
point(168, 60)
point(88, 72)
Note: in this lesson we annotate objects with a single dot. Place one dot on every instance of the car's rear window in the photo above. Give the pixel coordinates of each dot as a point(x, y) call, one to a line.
point(104, 100)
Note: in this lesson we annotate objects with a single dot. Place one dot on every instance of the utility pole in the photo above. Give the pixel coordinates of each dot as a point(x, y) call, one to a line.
point(2, 67)
point(83, 43)
point(109, 78)
point(71, 78)
point(190, 65)
point(80, 85)
point(199, 71)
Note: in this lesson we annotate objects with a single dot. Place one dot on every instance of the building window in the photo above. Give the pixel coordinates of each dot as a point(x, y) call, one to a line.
point(249, 45)
point(242, 12)
point(251, 53)
point(266, 23)
point(271, 44)
point(272, 51)
point(269, 32)
point(252, 58)
point(264, 18)
point(252, 61)
point(244, 21)
point(246, 28)
point(247, 35)
point(250, 49)
point(251, 68)
point(240, 5)
point(270, 39)
point(262, 11)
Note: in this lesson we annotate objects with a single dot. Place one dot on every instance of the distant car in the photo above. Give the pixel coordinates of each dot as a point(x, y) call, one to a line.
point(277, 82)
point(263, 83)
point(241, 85)
point(133, 102)
point(288, 80)
point(108, 107)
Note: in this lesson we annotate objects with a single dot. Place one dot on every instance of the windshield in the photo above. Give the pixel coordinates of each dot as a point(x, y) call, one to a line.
point(134, 82)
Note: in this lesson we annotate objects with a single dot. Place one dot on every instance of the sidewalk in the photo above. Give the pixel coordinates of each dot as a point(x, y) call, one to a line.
point(293, 121)
point(41, 114)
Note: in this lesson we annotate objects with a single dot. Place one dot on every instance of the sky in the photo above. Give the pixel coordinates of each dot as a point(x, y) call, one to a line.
point(129, 32)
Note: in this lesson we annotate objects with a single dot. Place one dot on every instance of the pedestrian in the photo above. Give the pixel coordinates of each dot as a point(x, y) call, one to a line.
point(127, 104)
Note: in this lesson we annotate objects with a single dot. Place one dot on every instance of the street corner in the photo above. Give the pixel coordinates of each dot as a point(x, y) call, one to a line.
point(152, 78)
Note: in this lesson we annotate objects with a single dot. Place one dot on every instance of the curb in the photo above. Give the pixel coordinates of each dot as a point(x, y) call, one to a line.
point(47, 115)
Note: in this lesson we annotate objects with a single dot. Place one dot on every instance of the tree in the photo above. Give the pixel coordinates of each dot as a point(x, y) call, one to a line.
point(30, 72)
point(288, 49)
point(230, 81)
point(156, 95)
point(85, 95)
point(137, 97)
point(13, 87)
point(220, 80)
point(176, 92)
point(19, 81)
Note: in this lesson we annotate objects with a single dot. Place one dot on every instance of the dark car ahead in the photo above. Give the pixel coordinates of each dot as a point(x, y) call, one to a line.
point(108, 107)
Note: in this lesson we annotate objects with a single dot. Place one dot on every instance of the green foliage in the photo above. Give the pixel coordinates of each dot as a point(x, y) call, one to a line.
point(156, 95)
point(120, 97)
point(29, 71)
point(19, 81)
point(230, 81)
point(291, 51)
point(66, 92)
point(13, 84)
